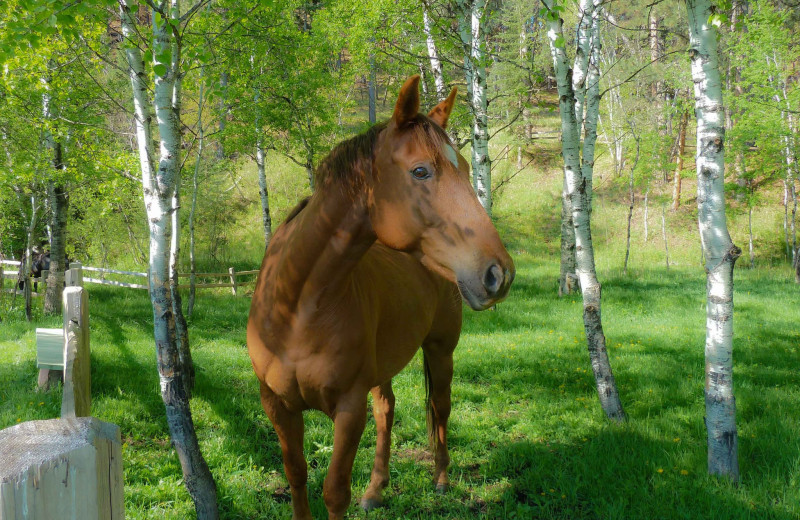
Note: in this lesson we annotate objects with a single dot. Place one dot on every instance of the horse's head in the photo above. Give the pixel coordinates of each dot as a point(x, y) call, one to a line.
point(421, 201)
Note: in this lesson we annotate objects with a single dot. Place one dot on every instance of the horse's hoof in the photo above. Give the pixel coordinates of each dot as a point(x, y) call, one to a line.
point(368, 504)
point(442, 488)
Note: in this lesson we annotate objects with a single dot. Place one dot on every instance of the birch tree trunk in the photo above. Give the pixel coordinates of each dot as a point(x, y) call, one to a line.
point(159, 187)
point(57, 218)
point(578, 174)
point(262, 190)
point(433, 55)
point(567, 279)
point(719, 251)
point(481, 162)
point(632, 196)
point(25, 269)
point(57, 195)
point(171, 143)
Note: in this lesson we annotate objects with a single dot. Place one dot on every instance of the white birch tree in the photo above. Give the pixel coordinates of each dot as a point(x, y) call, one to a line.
point(578, 169)
point(471, 26)
point(160, 178)
point(433, 54)
point(719, 251)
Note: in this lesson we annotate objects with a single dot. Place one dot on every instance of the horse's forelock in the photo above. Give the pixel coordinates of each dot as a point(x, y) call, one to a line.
point(430, 136)
point(350, 162)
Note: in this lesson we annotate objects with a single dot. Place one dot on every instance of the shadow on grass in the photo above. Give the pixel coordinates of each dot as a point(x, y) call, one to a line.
point(617, 474)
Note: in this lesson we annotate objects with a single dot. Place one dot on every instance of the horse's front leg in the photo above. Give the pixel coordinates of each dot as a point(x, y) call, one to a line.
point(290, 429)
point(383, 410)
point(348, 423)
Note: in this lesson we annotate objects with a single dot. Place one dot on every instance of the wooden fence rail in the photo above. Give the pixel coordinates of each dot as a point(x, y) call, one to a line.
point(233, 276)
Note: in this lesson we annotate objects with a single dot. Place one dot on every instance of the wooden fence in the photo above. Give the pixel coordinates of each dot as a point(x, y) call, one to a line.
point(233, 278)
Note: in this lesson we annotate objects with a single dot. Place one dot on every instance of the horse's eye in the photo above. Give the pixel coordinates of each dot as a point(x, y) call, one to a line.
point(420, 172)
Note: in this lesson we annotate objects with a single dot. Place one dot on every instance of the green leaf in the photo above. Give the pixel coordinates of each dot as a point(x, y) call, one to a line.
point(559, 43)
point(165, 56)
point(160, 69)
point(717, 19)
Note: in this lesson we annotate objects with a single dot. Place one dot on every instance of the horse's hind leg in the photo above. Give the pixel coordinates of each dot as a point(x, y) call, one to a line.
point(383, 410)
point(348, 423)
point(290, 429)
point(439, 375)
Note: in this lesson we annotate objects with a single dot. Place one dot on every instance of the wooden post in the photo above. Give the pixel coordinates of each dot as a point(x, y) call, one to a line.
point(77, 401)
point(61, 469)
point(232, 275)
point(74, 275)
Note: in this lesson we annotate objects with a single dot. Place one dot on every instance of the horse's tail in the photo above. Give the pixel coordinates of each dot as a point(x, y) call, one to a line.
point(433, 424)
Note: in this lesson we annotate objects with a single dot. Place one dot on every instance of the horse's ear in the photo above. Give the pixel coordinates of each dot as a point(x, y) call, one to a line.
point(407, 106)
point(441, 112)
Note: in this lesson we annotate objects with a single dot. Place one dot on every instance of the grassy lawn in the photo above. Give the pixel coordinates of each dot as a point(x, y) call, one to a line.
point(527, 436)
point(528, 439)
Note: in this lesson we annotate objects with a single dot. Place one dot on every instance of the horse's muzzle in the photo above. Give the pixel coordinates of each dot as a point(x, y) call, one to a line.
point(490, 288)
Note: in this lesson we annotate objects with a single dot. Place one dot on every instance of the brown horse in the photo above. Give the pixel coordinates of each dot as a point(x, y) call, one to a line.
point(358, 277)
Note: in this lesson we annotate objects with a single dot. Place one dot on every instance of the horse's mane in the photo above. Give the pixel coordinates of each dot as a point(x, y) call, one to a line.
point(297, 209)
point(349, 165)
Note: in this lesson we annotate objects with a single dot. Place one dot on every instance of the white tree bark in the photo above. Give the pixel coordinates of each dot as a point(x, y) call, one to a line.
point(481, 162)
point(719, 251)
point(578, 173)
point(262, 189)
point(160, 187)
point(476, 77)
point(433, 55)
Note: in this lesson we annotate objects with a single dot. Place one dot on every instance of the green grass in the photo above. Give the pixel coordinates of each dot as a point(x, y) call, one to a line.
point(527, 436)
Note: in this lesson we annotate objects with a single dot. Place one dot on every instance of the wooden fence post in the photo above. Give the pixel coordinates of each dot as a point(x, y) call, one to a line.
point(61, 469)
point(77, 401)
point(232, 274)
point(74, 276)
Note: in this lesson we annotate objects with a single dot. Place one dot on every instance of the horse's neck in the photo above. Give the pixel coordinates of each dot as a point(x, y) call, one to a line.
point(331, 235)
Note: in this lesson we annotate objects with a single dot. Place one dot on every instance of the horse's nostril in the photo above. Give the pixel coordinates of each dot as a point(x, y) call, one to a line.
point(493, 279)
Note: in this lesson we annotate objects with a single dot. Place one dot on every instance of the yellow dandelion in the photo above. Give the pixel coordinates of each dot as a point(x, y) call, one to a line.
point(676, 439)
point(542, 493)
point(661, 470)
point(684, 472)
point(552, 490)
point(40, 404)
point(563, 496)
